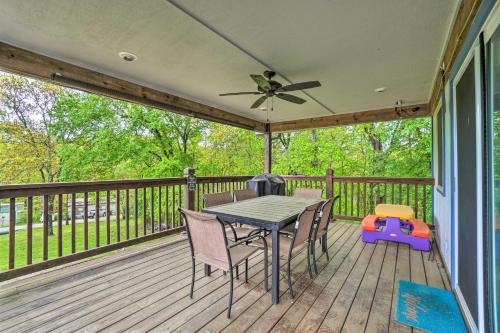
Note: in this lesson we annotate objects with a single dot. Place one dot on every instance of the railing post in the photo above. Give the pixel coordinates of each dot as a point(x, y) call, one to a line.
point(329, 183)
point(189, 188)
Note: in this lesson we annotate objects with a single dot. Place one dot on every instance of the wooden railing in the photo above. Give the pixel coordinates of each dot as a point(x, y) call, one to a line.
point(46, 225)
point(360, 195)
point(53, 224)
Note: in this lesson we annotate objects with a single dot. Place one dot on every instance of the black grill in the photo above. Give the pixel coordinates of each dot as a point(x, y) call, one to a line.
point(267, 184)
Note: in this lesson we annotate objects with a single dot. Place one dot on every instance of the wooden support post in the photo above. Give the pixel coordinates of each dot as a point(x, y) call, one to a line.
point(329, 183)
point(268, 150)
point(189, 188)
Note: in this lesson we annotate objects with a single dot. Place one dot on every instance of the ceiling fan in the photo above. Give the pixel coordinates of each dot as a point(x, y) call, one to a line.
point(269, 88)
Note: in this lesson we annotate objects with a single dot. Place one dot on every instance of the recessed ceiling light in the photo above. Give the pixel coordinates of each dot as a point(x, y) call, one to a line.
point(127, 56)
point(380, 89)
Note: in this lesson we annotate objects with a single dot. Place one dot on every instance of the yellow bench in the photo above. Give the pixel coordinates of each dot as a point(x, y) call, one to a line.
point(400, 211)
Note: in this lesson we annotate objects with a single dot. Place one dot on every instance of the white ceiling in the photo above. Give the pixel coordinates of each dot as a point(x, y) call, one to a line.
point(198, 49)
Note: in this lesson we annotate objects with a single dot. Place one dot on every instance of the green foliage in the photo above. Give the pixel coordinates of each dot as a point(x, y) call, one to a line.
point(398, 149)
point(88, 137)
point(228, 151)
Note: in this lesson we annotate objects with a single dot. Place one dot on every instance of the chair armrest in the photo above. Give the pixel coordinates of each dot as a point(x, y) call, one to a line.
point(246, 240)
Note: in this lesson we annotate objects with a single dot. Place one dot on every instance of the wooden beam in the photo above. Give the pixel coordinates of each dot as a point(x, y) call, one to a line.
point(460, 28)
point(411, 111)
point(20, 61)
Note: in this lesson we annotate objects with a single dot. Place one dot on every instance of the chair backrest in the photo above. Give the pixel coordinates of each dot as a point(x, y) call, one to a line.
point(310, 193)
point(215, 199)
point(241, 195)
point(206, 235)
point(304, 224)
point(325, 213)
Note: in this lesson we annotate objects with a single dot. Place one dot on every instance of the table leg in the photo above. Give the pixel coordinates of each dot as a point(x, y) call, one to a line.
point(275, 267)
point(208, 270)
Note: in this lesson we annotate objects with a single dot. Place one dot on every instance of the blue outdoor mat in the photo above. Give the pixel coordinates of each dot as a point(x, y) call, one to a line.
point(427, 308)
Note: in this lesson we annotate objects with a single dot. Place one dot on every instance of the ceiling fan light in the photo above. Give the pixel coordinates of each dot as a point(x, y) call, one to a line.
point(127, 56)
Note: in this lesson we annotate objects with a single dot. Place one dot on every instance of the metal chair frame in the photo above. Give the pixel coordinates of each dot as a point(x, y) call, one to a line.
point(324, 244)
point(228, 246)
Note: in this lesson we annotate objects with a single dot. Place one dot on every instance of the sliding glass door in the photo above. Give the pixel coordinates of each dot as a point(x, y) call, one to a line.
point(493, 78)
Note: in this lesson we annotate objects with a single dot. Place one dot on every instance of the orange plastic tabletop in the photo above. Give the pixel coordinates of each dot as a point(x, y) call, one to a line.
point(400, 211)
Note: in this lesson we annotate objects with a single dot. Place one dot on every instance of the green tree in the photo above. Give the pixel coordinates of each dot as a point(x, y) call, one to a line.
point(29, 148)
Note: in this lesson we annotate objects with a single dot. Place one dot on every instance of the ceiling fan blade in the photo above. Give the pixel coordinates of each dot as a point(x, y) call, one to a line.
point(261, 81)
point(291, 98)
point(242, 93)
point(258, 102)
point(300, 86)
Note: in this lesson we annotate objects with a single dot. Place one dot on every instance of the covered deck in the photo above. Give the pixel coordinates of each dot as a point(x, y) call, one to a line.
point(146, 288)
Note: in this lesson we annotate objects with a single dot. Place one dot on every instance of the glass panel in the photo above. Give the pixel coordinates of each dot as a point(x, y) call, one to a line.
point(494, 97)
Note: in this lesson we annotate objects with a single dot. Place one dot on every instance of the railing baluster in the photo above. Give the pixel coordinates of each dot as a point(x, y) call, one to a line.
point(73, 222)
point(59, 225)
point(416, 200)
point(12, 232)
point(166, 207)
point(173, 206)
point(364, 199)
point(392, 193)
point(407, 194)
point(127, 214)
point(424, 203)
point(159, 209)
point(144, 212)
point(371, 198)
point(352, 198)
point(117, 216)
point(345, 198)
point(358, 199)
point(108, 218)
point(136, 213)
point(340, 198)
point(180, 205)
point(400, 194)
point(198, 196)
point(86, 220)
point(29, 236)
point(97, 220)
point(45, 227)
point(152, 208)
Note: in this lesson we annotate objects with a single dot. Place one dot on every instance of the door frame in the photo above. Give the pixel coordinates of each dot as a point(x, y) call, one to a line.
point(472, 55)
point(491, 26)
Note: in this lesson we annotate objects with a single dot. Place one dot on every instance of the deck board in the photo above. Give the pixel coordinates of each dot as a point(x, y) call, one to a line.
point(147, 289)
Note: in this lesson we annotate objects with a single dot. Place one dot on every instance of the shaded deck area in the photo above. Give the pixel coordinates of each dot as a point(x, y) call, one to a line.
point(146, 289)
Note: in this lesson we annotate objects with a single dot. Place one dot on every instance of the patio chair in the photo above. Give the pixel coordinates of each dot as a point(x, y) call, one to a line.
point(209, 245)
point(216, 199)
point(320, 228)
point(240, 195)
point(310, 193)
point(292, 244)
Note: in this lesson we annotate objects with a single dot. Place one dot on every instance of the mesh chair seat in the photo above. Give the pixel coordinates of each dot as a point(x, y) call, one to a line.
point(285, 243)
point(238, 255)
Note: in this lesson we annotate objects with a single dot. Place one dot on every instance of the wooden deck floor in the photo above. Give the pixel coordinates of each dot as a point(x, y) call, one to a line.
point(138, 291)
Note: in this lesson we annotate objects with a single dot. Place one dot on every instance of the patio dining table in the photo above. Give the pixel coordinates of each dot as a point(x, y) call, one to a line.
point(271, 212)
